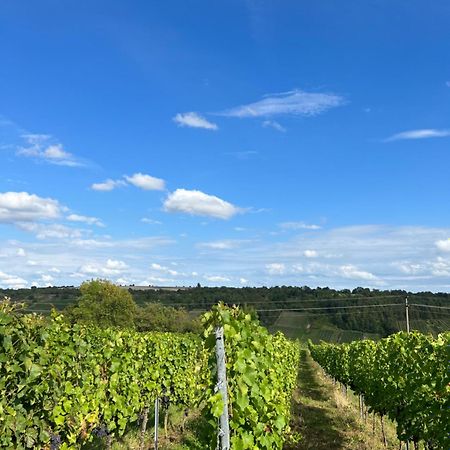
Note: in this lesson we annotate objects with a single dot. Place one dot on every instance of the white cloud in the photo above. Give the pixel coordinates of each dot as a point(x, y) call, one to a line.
point(8, 281)
point(47, 278)
point(198, 203)
point(24, 207)
point(243, 281)
point(419, 134)
point(39, 147)
point(107, 185)
point(111, 267)
point(221, 245)
point(50, 231)
point(443, 245)
point(146, 182)
point(85, 219)
point(216, 278)
point(298, 226)
point(294, 102)
point(310, 254)
point(276, 268)
point(194, 120)
point(274, 124)
point(21, 252)
point(352, 272)
point(164, 269)
point(150, 221)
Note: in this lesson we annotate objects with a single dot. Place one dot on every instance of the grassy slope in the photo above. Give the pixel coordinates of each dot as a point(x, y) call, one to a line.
point(298, 326)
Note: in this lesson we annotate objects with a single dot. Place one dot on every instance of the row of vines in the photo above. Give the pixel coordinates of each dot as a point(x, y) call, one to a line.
point(404, 376)
point(61, 384)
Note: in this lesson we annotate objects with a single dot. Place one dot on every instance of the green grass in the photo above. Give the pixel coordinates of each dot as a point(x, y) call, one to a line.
point(329, 420)
point(298, 326)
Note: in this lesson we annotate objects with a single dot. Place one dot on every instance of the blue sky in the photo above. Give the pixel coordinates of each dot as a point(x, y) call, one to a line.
point(227, 143)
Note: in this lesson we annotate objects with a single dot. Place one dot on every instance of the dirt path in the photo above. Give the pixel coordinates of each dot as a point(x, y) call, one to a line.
point(328, 420)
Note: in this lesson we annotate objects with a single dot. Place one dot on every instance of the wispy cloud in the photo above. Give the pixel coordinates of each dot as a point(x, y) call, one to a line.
point(107, 185)
point(298, 226)
point(246, 154)
point(150, 221)
point(200, 204)
point(295, 102)
point(274, 124)
point(424, 133)
point(140, 180)
point(194, 120)
point(85, 219)
point(43, 147)
point(227, 244)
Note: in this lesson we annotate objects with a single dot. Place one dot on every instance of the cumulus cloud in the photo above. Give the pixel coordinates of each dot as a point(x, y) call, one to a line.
point(310, 253)
point(274, 124)
point(198, 203)
point(298, 226)
point(276, 268)
point(85, 219)
point(39, 146)
point(295, 102)
point(419, 134)
point(8, 281)
point(164, 269)
point(352, 272)
point(110, 267)
point(107, 185)
point(194, 120)
point(24, 207)
point(146, 182)
point(443, 245)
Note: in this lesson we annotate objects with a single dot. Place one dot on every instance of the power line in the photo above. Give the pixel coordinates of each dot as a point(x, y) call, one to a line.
point(300, 300)
point(429, 306)
point(329, 307)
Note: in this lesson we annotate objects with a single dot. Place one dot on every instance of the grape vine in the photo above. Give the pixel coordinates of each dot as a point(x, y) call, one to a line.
point(404, 376)
point(62, 384)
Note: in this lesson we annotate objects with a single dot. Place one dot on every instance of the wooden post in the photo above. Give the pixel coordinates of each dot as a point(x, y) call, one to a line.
point(143, 428)
point(222, 387)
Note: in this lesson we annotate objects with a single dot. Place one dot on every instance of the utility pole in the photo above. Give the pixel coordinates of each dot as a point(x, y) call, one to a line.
point(407, 314)
point(222, 386)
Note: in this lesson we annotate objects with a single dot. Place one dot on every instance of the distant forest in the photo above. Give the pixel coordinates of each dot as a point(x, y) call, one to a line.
point(268, 303)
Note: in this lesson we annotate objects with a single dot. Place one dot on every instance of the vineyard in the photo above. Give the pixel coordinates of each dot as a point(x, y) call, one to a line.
point(405, 377)
point(62, 384)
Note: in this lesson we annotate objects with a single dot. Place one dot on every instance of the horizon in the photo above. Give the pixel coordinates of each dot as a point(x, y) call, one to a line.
point(241, 143)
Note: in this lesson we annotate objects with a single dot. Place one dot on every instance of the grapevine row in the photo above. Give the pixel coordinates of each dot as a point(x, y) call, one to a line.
point(404, 376)
point(60, 384)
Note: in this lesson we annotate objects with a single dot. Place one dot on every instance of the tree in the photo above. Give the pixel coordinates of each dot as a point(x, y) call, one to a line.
point(104, 304)
point(156, 317)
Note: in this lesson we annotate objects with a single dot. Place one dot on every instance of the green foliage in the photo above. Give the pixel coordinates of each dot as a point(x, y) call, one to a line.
point(157, 317)
point(63, 381)
point(104, 304)
point(405, 376)
point(262, 373)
